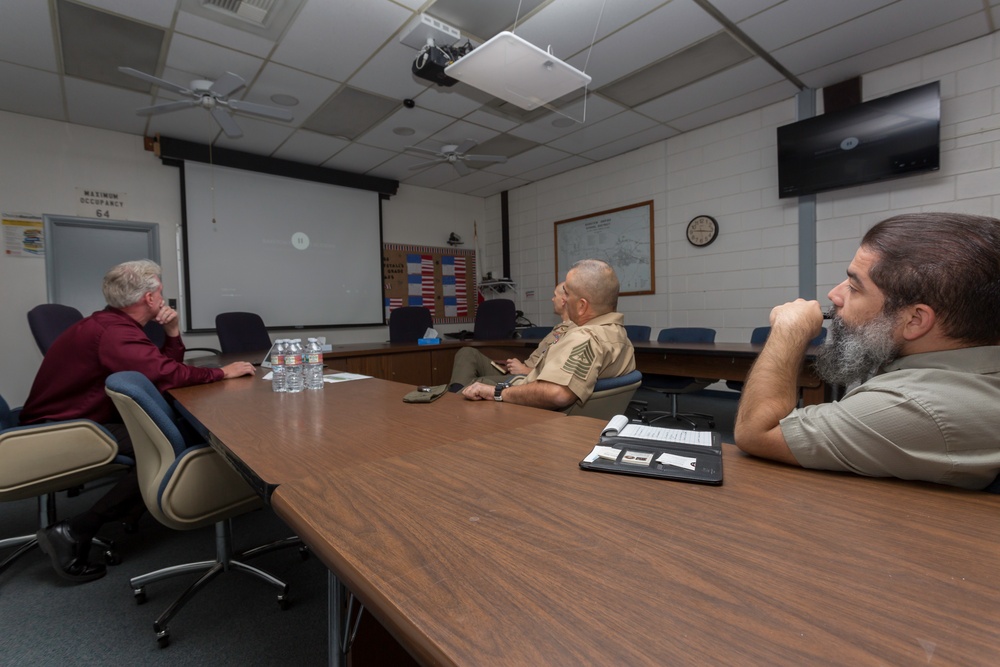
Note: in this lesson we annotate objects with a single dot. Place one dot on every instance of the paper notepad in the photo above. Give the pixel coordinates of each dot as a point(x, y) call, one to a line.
point(653, 451)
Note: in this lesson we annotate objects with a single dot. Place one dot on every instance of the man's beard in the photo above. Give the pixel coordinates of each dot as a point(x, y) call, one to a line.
point(855, 353)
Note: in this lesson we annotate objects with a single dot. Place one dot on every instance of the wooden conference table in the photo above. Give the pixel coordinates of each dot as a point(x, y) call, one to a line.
point(468, 530)
point(499, 550)
point(431, 364)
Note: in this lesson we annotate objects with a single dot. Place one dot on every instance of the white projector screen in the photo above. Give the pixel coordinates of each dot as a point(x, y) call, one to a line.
point(298, 253)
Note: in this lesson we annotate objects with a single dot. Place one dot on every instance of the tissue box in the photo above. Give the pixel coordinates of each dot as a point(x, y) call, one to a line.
point(428, 341)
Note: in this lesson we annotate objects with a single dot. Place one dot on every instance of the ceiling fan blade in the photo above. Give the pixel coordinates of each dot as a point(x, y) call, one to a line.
point(465, 146)
point(426, 151)
point(260, 110)
point(149, 78)
point(461, 168)
point(421, 165)
point(485, 158)
point(167, 106)
point(227, 123)
point(227, 84)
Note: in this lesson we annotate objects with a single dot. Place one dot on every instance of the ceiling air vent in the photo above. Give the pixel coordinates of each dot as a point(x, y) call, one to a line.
point(257, 12)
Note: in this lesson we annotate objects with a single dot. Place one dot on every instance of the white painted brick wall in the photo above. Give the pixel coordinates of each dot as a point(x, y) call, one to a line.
point(729, 170)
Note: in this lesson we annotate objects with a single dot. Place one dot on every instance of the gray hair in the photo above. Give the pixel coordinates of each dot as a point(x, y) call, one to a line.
point(596, 281)
point(126, 284)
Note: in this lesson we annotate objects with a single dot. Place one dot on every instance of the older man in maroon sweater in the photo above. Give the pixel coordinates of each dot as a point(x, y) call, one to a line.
point(70, 385)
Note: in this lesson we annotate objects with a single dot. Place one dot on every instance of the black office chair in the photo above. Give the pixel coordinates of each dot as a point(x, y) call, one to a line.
point(240, 333)
point(158, 336)
point(638, 333)
point(674, 385)
point(407, 324)
point(495, 320)
point(48, 320)
point(186, 485)
point(758, 337)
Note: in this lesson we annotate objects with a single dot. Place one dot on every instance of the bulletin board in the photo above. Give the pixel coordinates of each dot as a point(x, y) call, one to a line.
point(443, 280)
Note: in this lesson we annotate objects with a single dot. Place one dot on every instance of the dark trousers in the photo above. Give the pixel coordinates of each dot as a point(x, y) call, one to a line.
point(123, 502)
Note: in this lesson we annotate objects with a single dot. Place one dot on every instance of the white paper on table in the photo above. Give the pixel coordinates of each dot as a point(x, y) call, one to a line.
point(685, 462)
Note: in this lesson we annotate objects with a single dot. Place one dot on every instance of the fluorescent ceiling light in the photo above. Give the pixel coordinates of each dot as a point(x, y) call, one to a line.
point(514, 70)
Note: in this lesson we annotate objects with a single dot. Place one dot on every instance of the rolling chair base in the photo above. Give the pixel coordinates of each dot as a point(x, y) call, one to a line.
point(650, 417)
point(46, 517)
point(225, 561)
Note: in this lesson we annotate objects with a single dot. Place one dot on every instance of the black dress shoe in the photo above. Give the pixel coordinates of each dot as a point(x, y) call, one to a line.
point(68, 553)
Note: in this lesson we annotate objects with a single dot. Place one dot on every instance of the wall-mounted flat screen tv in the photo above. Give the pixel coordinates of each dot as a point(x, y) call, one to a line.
point(892, 136)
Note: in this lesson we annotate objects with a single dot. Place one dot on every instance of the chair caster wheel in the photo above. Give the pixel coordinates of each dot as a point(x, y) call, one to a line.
point(283, 602)
point(139, 594)
point(304, 552)
point(163, 638)
point(112, 558)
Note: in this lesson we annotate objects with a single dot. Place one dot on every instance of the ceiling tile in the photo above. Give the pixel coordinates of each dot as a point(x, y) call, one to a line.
point(458, 132)
point(389, 73)
point(446, 101)
point(592, 110)
point(155, 13)
point(570, 25)
point(310, 147)
point(204, 60)
point(795, 20)
point(598, 134)
point(631, 142)
point(423, 123)
point(212, 31)
point(528, 160)
point(358, 158)
point(259, 136)
point(30, 92)
point(99, 105)
point(26, 34)
point(333, 39)
point(311, 91)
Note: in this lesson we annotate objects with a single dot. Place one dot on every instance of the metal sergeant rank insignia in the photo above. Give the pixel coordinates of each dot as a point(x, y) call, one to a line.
point(580, 360)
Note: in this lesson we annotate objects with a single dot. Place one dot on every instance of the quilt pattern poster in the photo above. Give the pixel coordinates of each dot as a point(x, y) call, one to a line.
point(443, 280)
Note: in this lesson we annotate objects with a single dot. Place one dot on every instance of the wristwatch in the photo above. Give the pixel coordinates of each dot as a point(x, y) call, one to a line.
point(498, 390)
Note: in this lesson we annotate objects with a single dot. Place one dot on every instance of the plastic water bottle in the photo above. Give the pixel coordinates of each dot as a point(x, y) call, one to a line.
point(278, 377)
point(314, 364)
point(293, 366)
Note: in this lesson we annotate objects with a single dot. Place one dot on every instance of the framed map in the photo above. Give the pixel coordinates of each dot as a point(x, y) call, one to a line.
point(622, 237)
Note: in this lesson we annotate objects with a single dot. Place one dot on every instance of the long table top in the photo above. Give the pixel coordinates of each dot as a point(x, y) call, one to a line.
point(273, 438)
point(500, 550)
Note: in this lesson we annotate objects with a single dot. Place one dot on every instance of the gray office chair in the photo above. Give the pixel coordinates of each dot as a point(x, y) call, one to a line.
point(611, 396)
point(674, 385)
point(185, 485)
point(39, 460)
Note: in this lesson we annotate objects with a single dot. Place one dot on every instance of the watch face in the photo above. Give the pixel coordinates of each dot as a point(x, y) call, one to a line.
point(702, 230)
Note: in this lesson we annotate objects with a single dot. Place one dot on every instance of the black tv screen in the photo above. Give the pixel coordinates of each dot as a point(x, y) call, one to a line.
point(889, 137)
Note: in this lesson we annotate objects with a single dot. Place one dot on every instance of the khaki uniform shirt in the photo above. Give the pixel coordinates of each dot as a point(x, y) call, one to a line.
point(598, 349)
point(932, 416)
point(550, 338)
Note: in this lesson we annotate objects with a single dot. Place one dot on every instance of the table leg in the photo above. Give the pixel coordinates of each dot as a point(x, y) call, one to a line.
point(337, 600)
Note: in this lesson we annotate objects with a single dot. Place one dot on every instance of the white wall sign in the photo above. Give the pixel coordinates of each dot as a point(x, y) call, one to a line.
point(93, 203)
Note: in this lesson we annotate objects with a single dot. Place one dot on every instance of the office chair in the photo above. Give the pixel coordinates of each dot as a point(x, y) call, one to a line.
point(495, 319)
point(48, 320)
point(39, 460)
point(758, 337)
point(638, 333)
point(408, 324)
point(240, 333)
point(611, 396)
point(185, 485)
point(532, 333)
point(156, 334)
point(674, 385)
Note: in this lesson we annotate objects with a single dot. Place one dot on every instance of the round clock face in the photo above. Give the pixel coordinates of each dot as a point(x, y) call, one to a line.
point(702, 230)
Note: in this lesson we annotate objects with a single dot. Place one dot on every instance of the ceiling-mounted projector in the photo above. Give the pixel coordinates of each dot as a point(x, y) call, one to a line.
point(432, 60)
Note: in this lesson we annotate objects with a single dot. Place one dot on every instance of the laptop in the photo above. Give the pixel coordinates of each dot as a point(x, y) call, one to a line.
point(266, 361)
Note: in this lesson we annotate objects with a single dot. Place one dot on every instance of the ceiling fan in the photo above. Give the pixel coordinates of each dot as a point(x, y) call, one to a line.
point(454, 154)
point(211, 95)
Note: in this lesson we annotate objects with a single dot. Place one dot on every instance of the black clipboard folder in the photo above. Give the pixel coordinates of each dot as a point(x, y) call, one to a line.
point(651, 451)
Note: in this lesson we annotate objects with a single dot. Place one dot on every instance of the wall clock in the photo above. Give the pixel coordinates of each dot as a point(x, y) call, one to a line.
point(702, 230)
